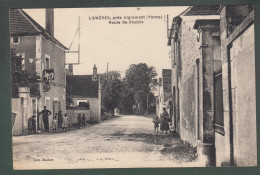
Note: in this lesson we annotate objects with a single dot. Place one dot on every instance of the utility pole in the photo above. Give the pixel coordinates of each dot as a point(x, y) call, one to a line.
point(107, 68)
point(147, 97)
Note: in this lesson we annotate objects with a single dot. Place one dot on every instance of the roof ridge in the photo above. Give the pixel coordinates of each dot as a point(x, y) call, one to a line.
point(31, 20)
point(39, 28)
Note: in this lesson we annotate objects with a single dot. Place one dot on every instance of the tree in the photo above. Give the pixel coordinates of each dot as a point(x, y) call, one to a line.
point(69, 100)
point(111, 90)
point(140, 79)
point(127, 98)
point(20, 77)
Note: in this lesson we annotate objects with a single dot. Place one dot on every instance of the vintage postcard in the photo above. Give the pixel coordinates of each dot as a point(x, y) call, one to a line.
point(133, 87)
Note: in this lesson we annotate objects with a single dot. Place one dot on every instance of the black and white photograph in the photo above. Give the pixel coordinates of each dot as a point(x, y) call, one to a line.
point(133, 87)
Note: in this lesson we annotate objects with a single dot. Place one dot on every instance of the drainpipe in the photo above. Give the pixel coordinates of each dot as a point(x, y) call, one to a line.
point(198, 101)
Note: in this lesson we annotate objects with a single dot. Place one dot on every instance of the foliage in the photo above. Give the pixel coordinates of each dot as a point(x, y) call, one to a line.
point(127, 99)
point(140, 80)
point(141, 77)
point(69, 101)
point(134, 89)
point(111, 90)
point(20, 77)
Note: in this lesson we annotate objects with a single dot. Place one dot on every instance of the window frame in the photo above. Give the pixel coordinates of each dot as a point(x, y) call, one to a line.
point(218, 127)
point(12, 40)
point(45, 60)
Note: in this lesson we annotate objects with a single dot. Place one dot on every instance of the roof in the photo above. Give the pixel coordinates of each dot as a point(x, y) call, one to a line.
point(208, 22)
point(201, 10)
point(82, 86)
point(21, 24)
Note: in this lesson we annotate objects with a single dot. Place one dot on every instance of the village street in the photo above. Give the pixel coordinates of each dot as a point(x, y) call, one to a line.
point(126, 141)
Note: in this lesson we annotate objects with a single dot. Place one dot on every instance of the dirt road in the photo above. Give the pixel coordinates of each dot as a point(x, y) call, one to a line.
point(126, 141)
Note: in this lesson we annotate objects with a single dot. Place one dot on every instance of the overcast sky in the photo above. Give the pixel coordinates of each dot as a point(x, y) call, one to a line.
point(120, 45)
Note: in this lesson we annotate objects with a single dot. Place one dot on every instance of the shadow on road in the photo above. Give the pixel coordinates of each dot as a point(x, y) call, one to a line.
point(171, 144)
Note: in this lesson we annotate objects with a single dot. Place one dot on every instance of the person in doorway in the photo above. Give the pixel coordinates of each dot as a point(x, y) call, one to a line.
point(164, 121)
point(60, 119)
point(156, 123)
point(83, 121)
point(45, 117)
point(34, 123)
point(65, 123)
point(30, 128)
point(55, 123)
point(79, 120)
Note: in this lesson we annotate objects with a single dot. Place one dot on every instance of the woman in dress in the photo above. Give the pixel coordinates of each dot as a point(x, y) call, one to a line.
point(83, 121)
point(65, 122)
point(165, 121)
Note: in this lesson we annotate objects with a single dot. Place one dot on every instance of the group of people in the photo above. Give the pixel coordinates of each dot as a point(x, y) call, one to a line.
point(59, 121)
point(163, 121)
point(81, 120)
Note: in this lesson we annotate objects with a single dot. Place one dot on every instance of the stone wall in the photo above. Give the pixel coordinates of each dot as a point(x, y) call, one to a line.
point(242, 57)
point(189, 52)
point(187, 112)
point(189, 48)
point(73, 115)
point(93, 107)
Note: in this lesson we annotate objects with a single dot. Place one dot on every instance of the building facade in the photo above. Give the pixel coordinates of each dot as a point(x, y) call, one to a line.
point(213, 93)
point(85, 92)
point(43, 56)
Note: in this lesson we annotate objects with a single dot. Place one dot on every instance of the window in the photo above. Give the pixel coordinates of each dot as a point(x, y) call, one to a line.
point(218, 106)
point(236, 15)
point(47, 62)
point(15, 40)
point(47, 102)
point(22, 55)
point(83, 104)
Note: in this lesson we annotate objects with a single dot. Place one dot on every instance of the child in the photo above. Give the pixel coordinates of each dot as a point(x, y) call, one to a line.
point(156, 123)
point(65, 123)
point(55, 123)
point(30, 127)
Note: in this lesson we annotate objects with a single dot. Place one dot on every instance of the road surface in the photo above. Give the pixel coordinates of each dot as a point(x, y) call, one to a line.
point(126, 141)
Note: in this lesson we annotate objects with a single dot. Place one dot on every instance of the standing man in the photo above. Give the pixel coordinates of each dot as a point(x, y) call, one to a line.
point(79, 120)
point(34, 123)
point(45, 117)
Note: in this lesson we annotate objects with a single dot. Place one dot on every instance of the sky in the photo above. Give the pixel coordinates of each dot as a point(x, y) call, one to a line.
point(119, 45)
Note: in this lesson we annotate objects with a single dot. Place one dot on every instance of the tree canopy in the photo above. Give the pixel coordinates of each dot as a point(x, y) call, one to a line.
point(140, 79)
point(133, 90)
point(111, 90)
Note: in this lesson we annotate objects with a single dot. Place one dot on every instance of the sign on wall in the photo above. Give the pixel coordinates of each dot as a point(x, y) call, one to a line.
point(48, 74)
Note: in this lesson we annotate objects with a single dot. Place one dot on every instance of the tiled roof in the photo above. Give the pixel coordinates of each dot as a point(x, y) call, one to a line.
point(82, 86)
point(21, 24)
point(201, 10)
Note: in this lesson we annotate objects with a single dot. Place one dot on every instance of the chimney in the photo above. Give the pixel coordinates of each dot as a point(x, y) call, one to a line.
point(49, 20)
point(71, 68)
point(94, 77)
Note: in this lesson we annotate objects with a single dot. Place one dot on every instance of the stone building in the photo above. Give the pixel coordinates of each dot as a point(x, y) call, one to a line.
point(213, 79)
point(43, 56)
point(164, 98)
point(85, 92)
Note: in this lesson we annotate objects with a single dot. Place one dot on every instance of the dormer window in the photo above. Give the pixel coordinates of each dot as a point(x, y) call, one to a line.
point(15, 40)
